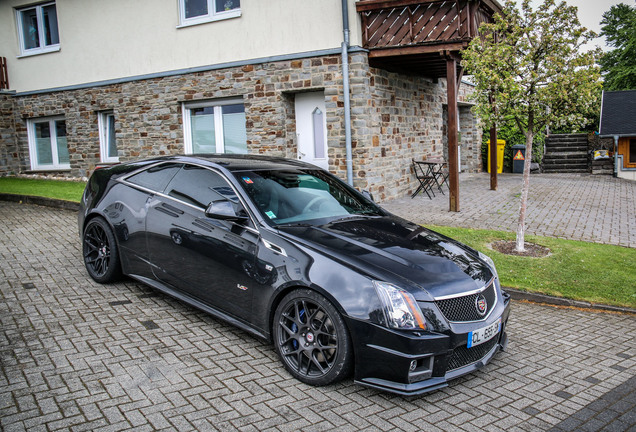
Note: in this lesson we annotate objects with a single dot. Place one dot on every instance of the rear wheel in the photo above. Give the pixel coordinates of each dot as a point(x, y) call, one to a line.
point(100, 252)
point(311, 338)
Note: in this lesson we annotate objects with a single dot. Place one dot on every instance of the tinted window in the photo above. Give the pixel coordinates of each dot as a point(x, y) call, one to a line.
point(303, 195)
point(155, 178)
point(199, 187)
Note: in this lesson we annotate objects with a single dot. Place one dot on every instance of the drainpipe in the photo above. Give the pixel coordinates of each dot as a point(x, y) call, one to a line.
point(615, 156)
point(345, 89)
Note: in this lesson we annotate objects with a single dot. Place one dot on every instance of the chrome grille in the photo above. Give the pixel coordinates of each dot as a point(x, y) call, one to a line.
point(464, 308)
point(463, 356)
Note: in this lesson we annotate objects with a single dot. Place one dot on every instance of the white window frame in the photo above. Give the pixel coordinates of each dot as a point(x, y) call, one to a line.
point(211, 16)
point(40, 17)
point(102, 121)
point(218, 122)
point(33, 151)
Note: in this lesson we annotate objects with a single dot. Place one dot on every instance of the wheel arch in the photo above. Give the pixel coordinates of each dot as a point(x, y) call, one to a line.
point(281, 293)
point(97, 215)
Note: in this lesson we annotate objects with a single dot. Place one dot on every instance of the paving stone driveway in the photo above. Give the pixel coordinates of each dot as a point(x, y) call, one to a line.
point(593, 208)
point(81, 356)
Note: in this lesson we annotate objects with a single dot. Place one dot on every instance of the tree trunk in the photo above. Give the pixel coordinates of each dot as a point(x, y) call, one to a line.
point(524, 192)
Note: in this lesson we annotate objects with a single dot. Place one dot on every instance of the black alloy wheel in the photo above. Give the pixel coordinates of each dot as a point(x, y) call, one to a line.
point(311, 338)
point(100, 252)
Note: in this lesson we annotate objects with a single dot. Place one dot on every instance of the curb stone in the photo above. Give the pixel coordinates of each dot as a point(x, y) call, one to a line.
point(514, 293)
point(560, 301)
point(43, 201)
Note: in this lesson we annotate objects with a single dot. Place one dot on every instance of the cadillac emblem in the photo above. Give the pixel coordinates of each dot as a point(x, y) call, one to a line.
point(481, 304)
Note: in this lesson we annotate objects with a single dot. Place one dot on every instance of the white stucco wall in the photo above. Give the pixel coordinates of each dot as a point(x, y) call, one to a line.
point(625, 174)
point(105, 40)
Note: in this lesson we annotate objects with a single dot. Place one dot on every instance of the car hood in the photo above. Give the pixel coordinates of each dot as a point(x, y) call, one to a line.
point(426, 263)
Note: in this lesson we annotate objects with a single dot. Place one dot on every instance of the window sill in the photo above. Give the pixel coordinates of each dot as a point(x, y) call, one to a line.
point(34, 52)
point(48, 170)
point(220, 17)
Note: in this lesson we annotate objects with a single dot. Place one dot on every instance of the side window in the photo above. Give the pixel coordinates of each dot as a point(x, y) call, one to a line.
point(48, 147)
point(107, 140)
point(193, 12)
point(214, 127)
point(199, 187)
point(155, 178)
point(37, 29)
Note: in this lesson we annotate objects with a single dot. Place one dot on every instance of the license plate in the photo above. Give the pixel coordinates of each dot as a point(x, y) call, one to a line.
point(484, 334)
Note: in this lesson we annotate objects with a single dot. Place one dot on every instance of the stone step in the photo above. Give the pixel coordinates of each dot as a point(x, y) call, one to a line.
point(553, 170)
point(564, 148)
point(566, 155)
point(565, 161)
point(567, 137)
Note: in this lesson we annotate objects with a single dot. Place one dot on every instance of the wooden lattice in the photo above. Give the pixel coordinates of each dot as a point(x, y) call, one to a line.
point(406, 23)
point(4, 76)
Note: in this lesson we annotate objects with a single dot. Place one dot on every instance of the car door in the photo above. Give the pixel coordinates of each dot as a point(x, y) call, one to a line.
point(207, 259)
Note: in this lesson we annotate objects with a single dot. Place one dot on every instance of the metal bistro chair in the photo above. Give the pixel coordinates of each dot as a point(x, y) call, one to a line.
point(425, 174)
point(440, 172)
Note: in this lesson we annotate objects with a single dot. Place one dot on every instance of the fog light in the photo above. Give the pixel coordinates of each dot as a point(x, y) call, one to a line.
point(413, 365)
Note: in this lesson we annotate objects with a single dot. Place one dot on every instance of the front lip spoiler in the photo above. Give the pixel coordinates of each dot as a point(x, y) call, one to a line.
point(434, 383)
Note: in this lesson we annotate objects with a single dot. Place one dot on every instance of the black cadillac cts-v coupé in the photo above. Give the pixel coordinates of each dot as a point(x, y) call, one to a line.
point(289, 253)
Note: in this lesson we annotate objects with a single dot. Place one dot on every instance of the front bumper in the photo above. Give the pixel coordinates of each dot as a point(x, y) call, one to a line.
point(409, 363)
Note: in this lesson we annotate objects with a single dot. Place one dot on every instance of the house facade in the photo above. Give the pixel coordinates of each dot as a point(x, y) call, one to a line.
point(104, 82)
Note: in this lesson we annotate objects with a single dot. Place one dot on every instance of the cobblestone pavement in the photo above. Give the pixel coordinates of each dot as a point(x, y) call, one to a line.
point(594, 208)
point(75, 355)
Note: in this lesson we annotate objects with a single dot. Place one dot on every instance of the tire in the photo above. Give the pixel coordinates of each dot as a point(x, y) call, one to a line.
point(311, 338)
point(99, 249)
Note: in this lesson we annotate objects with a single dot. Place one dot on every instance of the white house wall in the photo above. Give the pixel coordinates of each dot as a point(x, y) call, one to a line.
point(115, 39)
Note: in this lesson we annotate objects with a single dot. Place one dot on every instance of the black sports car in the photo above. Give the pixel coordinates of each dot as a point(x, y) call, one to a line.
point(291, 254)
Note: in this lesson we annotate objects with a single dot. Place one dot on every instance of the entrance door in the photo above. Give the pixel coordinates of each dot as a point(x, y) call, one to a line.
point(311, 128)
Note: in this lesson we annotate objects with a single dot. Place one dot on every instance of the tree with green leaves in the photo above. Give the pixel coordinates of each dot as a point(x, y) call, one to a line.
point(619, 65)
point(527, 66)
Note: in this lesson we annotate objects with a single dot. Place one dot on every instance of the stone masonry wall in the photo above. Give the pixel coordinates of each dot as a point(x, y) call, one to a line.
point(148, 113)
point(9, 157)
point(470, 140)
point(394, 117)
point(399, 118)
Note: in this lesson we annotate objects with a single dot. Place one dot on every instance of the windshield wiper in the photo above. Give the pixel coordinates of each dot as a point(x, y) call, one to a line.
point(294, 224)
point(354, 216)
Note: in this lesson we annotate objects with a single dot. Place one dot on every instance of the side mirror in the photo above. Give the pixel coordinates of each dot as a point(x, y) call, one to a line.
point(367, 195)
point(224, 210)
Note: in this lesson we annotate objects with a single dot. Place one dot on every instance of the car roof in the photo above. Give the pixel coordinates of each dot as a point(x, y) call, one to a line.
point(242, 162)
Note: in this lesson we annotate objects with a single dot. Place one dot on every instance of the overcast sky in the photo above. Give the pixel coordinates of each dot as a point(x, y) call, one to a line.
point(591, 13)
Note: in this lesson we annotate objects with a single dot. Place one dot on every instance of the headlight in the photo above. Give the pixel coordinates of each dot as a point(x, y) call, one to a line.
point(399, 307)
point(490, 263)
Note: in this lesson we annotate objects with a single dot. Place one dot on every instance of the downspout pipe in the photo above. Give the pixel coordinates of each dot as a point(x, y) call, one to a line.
point(615, 155)
point(345, 89)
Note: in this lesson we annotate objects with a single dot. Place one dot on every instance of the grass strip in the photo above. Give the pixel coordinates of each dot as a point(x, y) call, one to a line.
point(58, 189)
point(576, 270)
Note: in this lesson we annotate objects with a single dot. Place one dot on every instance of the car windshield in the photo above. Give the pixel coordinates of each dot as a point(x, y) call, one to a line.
point(303, 196)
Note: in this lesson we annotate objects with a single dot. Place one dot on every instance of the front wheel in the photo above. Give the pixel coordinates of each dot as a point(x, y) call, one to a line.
point(100, 252)
point(311, 338)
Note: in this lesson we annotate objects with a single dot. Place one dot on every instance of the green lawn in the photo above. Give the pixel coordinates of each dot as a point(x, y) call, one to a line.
point(576, 270)
point(64, 190)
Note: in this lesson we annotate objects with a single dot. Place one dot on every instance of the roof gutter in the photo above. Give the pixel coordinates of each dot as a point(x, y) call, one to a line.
point(345, 90)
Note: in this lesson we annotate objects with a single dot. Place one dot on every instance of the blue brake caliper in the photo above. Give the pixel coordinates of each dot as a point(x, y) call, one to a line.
point(295, 328)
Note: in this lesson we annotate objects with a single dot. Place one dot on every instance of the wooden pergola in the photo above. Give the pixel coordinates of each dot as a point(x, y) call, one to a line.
point(426, 37)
